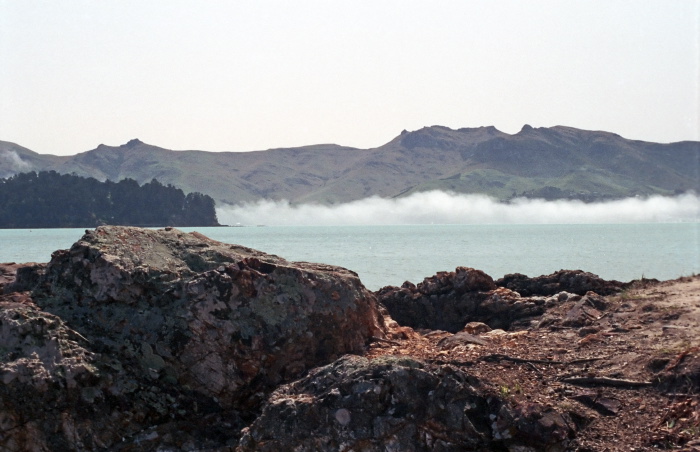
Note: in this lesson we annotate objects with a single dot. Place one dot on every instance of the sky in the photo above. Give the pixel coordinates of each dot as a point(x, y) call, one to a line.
point(255, 75)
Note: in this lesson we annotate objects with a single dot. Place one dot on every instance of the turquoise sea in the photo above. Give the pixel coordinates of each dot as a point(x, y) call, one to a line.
point(390, 255)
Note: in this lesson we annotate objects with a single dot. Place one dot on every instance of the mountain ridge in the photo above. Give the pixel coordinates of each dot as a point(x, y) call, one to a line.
point(556, 162)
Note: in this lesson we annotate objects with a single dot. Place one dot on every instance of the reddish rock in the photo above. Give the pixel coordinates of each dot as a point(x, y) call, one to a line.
point(171, 325)
point(460, 281)
point(450, 300)
point(574, 311)
point(476, 328)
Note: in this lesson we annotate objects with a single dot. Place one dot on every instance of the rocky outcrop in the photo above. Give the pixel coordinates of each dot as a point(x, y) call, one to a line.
point(144, 340)
point(397, 404)
point(573, 281)
point(164, 326)
point(58, 394)
point(7, 274)
point(449, 300)
point(45, 370)
point(30, 272)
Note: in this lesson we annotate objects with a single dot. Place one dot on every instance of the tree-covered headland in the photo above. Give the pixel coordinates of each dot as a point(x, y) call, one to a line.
point(52, 200)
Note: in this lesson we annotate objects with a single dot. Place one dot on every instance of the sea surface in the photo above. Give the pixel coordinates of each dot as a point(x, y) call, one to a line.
point(390, 255)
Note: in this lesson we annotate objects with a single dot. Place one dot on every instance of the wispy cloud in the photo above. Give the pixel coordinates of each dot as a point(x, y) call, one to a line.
point(449, 208)
point(11, 163)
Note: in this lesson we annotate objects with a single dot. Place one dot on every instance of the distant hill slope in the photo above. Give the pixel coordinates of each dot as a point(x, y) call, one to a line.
point(17, 159)
point(556, 162)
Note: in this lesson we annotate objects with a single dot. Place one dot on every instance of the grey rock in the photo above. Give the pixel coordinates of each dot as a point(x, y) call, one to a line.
point(576, 312)
point(461, 338)
point(222, 319)
point(397, 404)
point(165, 326)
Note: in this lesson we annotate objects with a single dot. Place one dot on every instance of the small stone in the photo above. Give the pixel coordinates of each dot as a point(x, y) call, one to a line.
point(343, 416)
point(476, 328)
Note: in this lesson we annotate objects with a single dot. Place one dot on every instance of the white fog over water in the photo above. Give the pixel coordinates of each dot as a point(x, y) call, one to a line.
point(437, 207)
point(390, 241)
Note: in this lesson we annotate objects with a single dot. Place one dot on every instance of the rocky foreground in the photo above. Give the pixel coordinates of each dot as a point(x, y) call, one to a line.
point(143, 340)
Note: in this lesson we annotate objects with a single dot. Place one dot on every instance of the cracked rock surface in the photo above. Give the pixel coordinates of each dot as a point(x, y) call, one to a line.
point(145, 340)
point(133, 328)
point(397, 404)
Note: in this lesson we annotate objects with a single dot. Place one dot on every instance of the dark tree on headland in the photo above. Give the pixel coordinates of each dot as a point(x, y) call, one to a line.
point(52, 200)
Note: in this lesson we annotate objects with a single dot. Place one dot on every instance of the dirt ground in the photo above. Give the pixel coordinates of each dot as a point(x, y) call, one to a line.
point(629, 376)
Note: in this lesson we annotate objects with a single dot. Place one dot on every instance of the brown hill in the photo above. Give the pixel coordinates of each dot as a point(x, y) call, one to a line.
point(551, 163)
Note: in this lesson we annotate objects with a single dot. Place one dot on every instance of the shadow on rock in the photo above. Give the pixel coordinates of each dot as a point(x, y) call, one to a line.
point(396, 404)
point(449, 300)
point(140, 328)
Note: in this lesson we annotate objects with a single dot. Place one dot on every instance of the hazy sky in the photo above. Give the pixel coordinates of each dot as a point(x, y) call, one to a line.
point(253, 75)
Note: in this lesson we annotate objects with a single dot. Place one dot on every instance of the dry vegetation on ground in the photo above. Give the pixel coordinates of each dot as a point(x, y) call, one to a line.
point(629, 377)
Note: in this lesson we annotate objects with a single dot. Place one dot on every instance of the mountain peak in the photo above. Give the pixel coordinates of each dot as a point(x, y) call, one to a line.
point(583, 164)
point(489, 130)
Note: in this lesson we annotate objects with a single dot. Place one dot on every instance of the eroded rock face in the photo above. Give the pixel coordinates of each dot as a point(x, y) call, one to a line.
point(222, 319)
point(176, 325)
point(8, 274)
point(57, 394)
point(574, 281)
point(449, 300)
point(397, 404)
point(42, 366)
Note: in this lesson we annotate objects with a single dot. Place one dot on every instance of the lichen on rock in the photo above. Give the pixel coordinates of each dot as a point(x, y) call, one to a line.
point(148, 340)
point(397, 403)
point(177, 323)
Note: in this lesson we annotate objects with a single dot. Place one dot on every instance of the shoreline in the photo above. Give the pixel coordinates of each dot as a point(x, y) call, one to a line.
point(254, 352)
point(391, 255)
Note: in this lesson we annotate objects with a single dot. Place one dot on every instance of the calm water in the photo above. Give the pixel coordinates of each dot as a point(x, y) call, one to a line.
point(390, 255)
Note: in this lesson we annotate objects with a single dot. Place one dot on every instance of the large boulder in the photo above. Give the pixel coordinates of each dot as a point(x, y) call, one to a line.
point(197, 327)
point(399, 404)
point(449, 300)
point(573, 281)
point(43, 368)
point(58, 394)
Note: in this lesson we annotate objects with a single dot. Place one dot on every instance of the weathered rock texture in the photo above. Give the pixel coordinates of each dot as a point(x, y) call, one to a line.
point(165, 325)
point(449, 300)
point(58, 394)
point(398, 404)
point(143, 340)
point(574, 281)
point(8, 275)
point(45, 373)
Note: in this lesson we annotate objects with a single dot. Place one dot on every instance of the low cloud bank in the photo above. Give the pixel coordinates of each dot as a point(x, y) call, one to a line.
point(437, 207)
